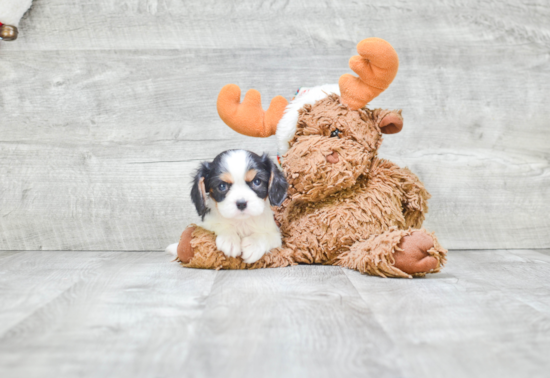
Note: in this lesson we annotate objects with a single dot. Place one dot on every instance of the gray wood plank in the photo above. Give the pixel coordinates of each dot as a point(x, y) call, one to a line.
point(112, 24)
point(544, 251)
point(95, 197)
point(302, 321)
point(487, 314)
point(123, 97)
point(29, 281)
point(104, 117)
point(133, 315)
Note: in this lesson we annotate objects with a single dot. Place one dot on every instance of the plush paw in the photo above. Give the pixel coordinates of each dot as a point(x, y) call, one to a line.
point(254, 247)
point(184, 251)
point(414, 257)
point(229, 244)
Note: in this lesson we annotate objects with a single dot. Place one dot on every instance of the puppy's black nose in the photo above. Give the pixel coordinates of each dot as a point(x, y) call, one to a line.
point(241, 205)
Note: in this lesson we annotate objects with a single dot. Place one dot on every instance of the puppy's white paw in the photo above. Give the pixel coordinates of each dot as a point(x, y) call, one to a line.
point(254, 247)
point(229, 244)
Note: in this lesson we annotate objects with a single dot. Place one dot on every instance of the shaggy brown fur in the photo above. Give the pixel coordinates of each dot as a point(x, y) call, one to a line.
point(357, 211)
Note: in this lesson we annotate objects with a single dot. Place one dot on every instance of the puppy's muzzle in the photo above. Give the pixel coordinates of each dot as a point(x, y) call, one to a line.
point(241, 205)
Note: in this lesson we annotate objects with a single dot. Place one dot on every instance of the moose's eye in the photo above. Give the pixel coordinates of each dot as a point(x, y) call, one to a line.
point(257, 182)
point(335, 133)
point(222, 187)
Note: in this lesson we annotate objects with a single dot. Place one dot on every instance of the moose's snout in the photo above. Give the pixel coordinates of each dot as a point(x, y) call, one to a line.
point(333, 158)
point(317, 166)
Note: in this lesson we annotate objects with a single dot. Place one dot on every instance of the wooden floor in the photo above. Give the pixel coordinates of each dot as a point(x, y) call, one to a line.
point(136, 314)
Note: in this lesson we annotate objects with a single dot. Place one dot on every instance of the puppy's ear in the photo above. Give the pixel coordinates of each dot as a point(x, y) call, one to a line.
point(198, 191)
point(277, 182)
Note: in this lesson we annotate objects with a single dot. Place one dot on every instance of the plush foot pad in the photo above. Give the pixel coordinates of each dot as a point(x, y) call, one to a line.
point(412, 255)
point(185, 252)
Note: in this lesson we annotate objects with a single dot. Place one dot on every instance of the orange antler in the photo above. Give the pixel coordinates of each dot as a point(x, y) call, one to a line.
point(376, 66)
point(248, 117)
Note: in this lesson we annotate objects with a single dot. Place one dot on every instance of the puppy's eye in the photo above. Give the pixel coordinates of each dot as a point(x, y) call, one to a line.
point(335, 133)
point(222, 187)
point(257, 182)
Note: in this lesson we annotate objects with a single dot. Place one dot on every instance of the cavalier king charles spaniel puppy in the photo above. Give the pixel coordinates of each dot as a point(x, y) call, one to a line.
point(231, 195)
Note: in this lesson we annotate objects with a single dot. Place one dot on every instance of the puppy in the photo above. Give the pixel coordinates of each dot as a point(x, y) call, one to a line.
point(231, 195)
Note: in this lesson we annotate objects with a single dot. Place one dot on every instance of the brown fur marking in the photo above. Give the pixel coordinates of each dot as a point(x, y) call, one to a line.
point(226, 176)
point(202, 188)
point(250, 175)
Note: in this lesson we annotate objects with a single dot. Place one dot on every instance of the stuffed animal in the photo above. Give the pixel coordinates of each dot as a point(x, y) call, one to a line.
point(11, 12)
point(345, 205)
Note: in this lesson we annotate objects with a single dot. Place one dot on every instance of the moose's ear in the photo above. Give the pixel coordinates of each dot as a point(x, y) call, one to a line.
point(392, 123)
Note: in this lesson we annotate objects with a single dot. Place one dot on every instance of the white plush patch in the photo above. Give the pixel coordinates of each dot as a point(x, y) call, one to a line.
point(286, 128)
point(11, 11)
point(172, 249)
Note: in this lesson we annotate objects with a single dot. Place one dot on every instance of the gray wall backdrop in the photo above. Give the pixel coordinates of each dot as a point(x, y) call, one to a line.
point(106, 107)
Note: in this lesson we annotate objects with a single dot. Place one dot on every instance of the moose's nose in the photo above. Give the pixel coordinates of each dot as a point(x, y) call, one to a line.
point(241, 205)
point(333, 158)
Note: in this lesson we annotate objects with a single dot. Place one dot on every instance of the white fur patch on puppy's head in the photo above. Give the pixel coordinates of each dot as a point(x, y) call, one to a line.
point(238, 183)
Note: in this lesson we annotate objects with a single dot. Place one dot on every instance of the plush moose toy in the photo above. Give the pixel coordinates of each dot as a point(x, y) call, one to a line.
point(345, 206)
